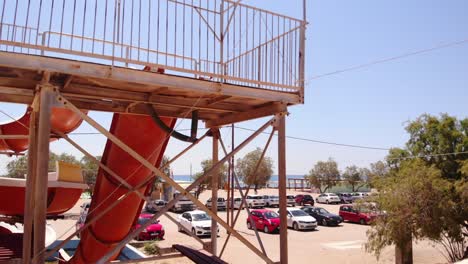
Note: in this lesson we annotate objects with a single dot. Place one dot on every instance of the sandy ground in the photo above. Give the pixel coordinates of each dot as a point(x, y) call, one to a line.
point(342, 244)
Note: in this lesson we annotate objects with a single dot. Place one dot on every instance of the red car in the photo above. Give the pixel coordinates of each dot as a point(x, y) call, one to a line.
point(303, 199)
point(151, 232)
point(265, 220)
point(360, 215)
point(154, 231)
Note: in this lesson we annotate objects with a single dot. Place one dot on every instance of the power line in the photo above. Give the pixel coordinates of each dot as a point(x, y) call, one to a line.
point(324, 142)
point(384, 60)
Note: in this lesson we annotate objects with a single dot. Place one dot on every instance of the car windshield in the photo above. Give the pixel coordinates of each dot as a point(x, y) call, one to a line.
point(274, 197)
point(271, 215)
point(290, 196)
point(308, 196)
point(142, 221)
point(299, 213)
point(322, 211)
point(200, 217)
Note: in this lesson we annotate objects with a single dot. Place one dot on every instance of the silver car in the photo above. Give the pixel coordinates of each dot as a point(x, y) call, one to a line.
point(271, 200)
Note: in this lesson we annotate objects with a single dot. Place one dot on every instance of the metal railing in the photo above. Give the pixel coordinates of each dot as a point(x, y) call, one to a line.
point(217, 40)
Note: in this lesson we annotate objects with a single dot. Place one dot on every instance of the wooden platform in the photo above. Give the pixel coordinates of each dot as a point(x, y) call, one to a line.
point(115, 89)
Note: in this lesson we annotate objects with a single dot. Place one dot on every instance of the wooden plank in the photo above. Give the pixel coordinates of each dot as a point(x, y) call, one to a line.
point(92, 70)
point(263, 111)
point(214, 192)
point(281, 126)
point(40, 193)
point(30, 188)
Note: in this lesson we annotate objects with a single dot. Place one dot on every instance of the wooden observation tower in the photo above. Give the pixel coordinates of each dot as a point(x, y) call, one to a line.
point(216, 61)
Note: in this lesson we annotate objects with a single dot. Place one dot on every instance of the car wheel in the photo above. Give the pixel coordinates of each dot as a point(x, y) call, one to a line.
point(362, 222)
point(265, 229)
point(324, 222)
point(328, 202)
point(249, 225)
point(295, 226)
point(194, 232)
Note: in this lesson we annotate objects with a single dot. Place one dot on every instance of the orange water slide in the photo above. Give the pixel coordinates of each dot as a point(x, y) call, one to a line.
point(61, 119)
point(146, 138)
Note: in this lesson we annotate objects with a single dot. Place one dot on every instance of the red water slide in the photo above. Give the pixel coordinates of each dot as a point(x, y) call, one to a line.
point(146, 138)
point(61, 119)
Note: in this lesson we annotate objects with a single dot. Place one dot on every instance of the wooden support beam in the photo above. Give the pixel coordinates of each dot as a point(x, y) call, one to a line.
point(214, 192)
point(258, 112)
point(30, 188)
point(42, 164)
point(281, 127)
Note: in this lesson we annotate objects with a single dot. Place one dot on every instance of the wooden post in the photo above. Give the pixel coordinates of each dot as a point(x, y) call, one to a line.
point(214, 193)
point(282, 188)
point(42, 164)
point(302, 50)
point(30, 186)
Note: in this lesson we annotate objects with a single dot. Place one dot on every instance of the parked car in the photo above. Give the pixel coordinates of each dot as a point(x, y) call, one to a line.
point(221, 204)
point(271, 200)
point(291, 200)
point(237, 203)
point(183, 205)
point(154, 231)
point(154, 205)
point(299, 219)
point(358, 196)
point(303, 199)
point(198, 222)
point(328, 198)
point(265, 220)
point(322, 216)
point(255, 201)
point(345, 197)
point(362, 214)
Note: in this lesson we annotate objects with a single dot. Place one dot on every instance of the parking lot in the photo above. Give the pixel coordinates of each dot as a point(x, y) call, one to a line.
point(341, 244)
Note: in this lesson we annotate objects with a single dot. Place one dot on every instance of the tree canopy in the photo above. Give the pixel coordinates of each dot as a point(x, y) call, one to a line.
point(424, 191)
point(245, 168)
point(324, 175)
point(206, 165)
point(356, 177)
point(19, 167)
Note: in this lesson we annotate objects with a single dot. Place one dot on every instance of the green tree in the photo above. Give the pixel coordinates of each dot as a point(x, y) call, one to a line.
point(415, 199)
point(445, 134)
point(356, 177)
point(19, 167)
point(245, 168)
point(90, 170)
point(378, 170)
point(324, 175)
point(425, 190)
point(206, 165)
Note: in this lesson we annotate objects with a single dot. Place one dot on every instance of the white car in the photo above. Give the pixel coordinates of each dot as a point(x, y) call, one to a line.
point(237, 203)
point(291, 200)
point(271, 200)
point(198, 222)
point(328, 198)
point(300, 220)
point(255, 201)
point(221, 204)
point(154, 205)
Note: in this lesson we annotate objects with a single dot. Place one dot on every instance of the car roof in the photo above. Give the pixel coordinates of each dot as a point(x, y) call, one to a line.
point(196, 212)
point(146, 215)
point(293, 209)
point(261, 210)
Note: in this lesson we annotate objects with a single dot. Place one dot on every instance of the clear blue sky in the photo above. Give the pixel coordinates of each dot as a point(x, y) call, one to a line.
point(367, 106)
